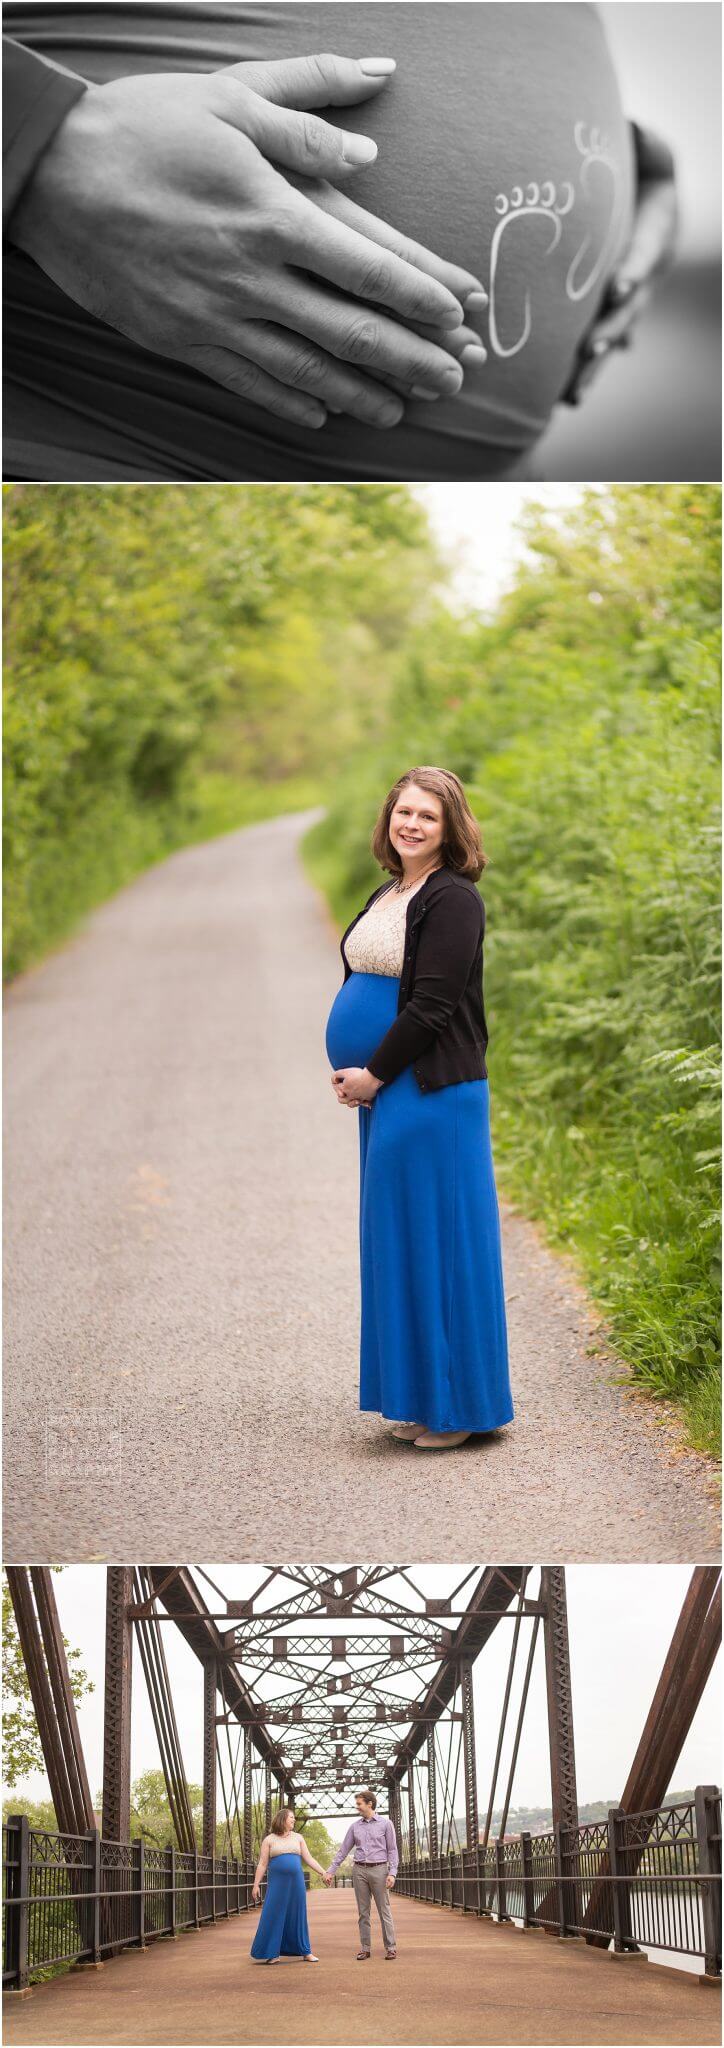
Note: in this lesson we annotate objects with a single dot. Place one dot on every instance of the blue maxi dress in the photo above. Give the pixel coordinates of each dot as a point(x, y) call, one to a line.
point(433, 1335)
point(283, 1929)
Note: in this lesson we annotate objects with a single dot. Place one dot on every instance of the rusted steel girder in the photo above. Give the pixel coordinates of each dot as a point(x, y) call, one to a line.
point(179, 1594)
point(209, 1821)
point(41, 1642)
point(560, 1696)
point(497, 1587)
point(117, 1707)
point(433, 1835)
point(160, 1696)
point(687, 1665)
point(470, 1775)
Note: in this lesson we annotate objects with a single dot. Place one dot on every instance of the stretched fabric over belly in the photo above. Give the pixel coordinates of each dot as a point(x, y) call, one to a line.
point(502, 145)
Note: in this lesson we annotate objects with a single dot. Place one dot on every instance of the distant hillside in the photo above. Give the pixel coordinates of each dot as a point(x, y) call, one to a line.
point(538, 1820)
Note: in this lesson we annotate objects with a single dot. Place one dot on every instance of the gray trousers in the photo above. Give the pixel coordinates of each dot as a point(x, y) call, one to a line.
point(370, 1882)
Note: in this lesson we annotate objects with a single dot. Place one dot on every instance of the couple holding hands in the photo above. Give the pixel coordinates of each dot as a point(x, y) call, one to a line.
point(283, 1929)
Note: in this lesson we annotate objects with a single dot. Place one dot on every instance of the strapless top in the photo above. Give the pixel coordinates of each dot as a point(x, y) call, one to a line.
point(284, 1845)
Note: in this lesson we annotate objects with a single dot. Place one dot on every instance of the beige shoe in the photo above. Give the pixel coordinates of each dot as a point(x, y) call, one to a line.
point(406, 1431)
point(447, 1441)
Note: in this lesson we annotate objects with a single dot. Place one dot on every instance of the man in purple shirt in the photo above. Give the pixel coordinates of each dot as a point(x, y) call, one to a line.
point(374, 1868)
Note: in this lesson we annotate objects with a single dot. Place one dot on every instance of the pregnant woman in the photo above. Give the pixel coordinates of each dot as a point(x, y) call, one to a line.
point(494, 137)
point(283, 1929)
point(407, 1038)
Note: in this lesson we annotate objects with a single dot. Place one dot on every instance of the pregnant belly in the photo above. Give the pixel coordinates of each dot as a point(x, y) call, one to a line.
point(363, 1010)
point(502, 146)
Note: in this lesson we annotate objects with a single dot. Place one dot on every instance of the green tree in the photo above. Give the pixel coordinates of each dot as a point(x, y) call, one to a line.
point(177, 661)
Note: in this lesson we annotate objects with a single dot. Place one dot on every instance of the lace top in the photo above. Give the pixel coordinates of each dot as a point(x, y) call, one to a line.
point(377, 944)
point(285, 1845)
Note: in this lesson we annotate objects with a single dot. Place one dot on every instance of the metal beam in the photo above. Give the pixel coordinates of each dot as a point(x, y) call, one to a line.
point(248, 1796)
point(52, 1698)
point(62, 1691)
point(686, 1668)
point(432, 1829)
point(155, 1671)
point(209, 1786)
point(560, 1698)
point(496, 1588)
point(469, 1765)
point(176, 1589)
point(687, 1665)
point(117, 1705)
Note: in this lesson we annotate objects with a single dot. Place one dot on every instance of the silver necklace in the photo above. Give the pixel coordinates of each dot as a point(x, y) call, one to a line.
point(402, 887)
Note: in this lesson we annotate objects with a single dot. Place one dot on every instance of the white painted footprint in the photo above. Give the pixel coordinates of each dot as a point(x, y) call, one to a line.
point(529, 203)
point(600, 175)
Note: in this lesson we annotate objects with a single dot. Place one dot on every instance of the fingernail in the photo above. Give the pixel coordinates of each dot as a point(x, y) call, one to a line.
point(387, 415)
point(451, 379)
point(453, 317)
point(377, 67)
point(422, 391)
point(315, 416)
point(359, 149)
point(473, 353)
point(620, 289)
point(475, 301)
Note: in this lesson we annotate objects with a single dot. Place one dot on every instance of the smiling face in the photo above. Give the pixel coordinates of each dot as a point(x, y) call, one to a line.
point(417, 828)
point(288, 1823)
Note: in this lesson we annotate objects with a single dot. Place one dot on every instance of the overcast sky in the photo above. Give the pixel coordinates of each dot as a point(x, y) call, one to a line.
point(477, 527)
point(621, 1621)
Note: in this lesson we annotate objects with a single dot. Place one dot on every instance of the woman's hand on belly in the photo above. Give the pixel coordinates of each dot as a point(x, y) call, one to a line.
point(355, 1087)
point(156, 207)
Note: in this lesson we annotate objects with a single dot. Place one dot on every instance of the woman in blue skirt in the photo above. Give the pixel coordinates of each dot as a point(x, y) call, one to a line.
point(283, 1928)
point(407, 1038)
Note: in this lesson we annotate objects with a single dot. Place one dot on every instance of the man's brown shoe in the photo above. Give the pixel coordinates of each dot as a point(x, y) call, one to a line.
point(363, 1955)
point(390, 1955)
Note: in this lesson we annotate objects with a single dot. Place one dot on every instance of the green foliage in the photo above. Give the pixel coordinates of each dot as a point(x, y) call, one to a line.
point(21, 1741)
point(158, 639)
point(584, 720)
point(40, 1812)
point(151, 1815)
point(181, 662)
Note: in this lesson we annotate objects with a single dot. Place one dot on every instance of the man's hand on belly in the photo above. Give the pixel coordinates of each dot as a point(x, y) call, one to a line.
point(162, 207)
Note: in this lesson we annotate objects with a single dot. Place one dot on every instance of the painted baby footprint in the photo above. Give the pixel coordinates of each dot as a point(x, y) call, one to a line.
point(531, 204)
point(600, 181)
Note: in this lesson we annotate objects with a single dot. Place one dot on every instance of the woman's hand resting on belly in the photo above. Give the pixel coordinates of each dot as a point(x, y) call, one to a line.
point(356, 1087)
point(161, 207)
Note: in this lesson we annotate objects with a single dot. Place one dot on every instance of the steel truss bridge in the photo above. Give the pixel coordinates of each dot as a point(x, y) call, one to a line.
point(323, 1680)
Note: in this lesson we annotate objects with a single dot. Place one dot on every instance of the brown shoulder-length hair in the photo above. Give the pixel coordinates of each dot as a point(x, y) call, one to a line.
point(462, 847)
point(277, 1826)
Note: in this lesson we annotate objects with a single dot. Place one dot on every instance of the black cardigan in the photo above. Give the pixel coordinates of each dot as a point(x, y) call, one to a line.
point(440, 1027)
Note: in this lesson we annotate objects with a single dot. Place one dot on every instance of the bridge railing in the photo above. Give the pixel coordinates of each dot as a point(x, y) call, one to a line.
point(640, 1881)
point(648, 1880)
point(78, 1898)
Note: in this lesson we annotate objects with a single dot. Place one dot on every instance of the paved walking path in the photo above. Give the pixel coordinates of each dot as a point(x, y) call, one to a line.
point(455, 1981)
point(182, 1305)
